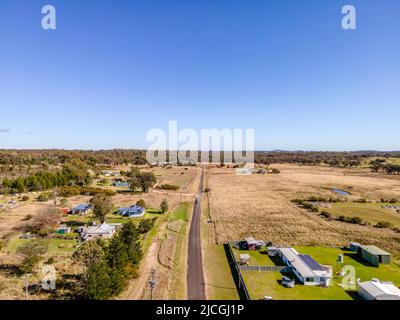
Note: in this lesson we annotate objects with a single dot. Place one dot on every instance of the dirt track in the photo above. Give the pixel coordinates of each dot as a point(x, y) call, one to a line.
point(195, 279)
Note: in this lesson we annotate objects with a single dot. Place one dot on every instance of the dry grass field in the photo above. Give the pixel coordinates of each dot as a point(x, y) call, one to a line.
point(259, 205)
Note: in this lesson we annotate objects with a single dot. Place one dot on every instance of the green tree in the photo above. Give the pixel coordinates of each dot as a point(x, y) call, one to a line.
point(32, 252)
point(130, 235)
point(96, 282)
point(145, 225)
point(164, 205)
point(102, 206)
point(117, 260)
point(141, 203)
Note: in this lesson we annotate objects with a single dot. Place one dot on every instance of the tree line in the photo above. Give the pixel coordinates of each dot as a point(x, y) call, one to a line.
point(74, 172)
point(380, 165)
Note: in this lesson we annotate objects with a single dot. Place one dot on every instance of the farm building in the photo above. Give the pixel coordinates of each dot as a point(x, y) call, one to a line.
point(373, 255)
point(134, 211)
point(306, 269)
point(251, 243)
point(82, 209)
point(376, 290)
point(102, 231)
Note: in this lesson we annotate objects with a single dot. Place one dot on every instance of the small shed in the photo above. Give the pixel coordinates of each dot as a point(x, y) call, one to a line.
point(244, 258)
point(251, 243)
point(373, 255)
point(63, 230)
point(353, 246)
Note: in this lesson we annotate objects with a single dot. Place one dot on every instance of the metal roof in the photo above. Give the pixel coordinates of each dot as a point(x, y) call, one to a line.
point(250, 240)
point(82, 206)
point(380, 290)
point(375, 250)
point(304, 269)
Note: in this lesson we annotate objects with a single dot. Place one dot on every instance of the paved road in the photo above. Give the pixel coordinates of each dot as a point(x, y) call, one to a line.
point(195, 279)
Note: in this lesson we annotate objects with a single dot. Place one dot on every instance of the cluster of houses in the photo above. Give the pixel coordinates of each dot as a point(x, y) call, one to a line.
point(104, 230)
point(310, 272)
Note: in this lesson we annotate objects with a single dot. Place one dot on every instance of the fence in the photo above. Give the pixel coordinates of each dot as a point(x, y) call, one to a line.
point(239, 278)
point(264, 268)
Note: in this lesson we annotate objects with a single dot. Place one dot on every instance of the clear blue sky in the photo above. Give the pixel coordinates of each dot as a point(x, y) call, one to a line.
point(115, 69)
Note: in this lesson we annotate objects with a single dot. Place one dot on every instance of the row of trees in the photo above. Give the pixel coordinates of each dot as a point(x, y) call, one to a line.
point(54, 157)
point(380, 165)
point(75, 172)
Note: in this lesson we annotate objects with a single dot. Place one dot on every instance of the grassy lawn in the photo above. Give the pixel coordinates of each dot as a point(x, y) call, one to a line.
point(371, 212)
point(54, 245)
point(180, 213)
point(385, 272)
point(262, 284)
point(256, 258)
point(180, 257)
point(219, 283)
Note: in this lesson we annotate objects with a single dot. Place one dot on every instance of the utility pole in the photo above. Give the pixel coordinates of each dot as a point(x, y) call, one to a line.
point(27, 285)
point(152, 282)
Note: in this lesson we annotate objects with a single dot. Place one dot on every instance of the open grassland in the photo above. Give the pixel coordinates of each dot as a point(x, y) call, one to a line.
point(262, 284)
point(183, 177)
point(370, 212)
point(259, 206)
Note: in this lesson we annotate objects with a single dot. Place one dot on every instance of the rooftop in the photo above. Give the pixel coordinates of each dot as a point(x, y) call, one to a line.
point(250, 241)
point(375, 250)
point(381, 290)
point(304, 264)
point(104, 228)
point(82, 206)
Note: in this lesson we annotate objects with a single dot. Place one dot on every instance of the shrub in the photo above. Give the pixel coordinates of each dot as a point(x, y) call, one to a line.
point(355, 220)
point(276, 171)
point(393, 200)
point(362, 200)
point(141, 203)
point(63, 202)
point(167, 186)
point(264, 250)
point(384, 224)
point(90, 191)
point(326, 214)
point(145, 225)
point(25, 198)
point(164, 205)
point(43, 197)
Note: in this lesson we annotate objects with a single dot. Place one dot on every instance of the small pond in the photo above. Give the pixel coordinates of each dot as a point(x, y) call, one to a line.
point(340, 192)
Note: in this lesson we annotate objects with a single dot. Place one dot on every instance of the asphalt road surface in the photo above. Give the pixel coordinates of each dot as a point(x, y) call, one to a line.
point(195, 279)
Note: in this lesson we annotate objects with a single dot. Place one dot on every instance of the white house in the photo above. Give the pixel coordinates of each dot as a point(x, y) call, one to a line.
point(104, 230)
point(306, 269)
point(134, 211)
point(377, 290)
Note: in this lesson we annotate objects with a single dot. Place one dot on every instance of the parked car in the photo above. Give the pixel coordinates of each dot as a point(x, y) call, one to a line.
point(287, 282)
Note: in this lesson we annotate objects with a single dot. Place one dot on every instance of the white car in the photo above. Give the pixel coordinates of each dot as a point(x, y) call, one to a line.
point(287, 282)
